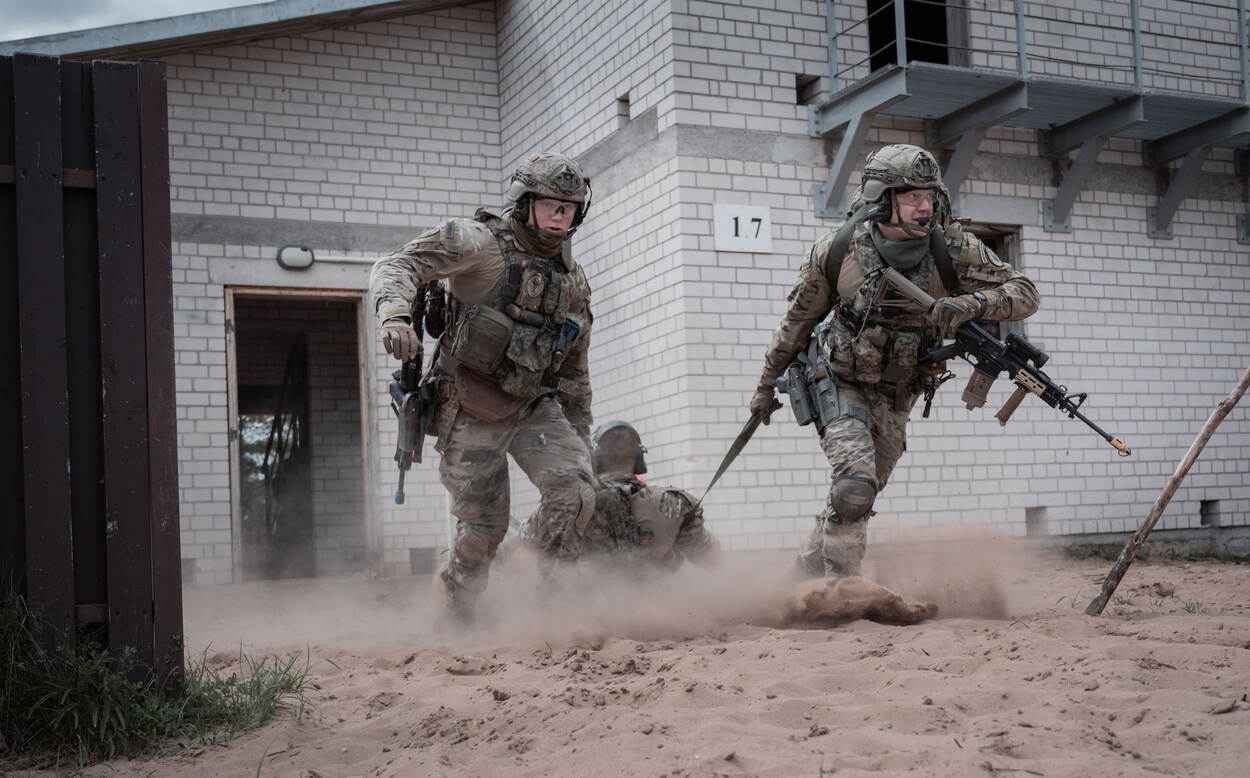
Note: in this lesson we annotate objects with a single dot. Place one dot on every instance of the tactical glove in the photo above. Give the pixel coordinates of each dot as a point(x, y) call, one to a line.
point(764, 402)
point(400, 339)
point(950, 312)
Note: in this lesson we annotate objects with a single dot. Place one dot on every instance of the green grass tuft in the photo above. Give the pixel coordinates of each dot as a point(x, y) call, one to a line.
point(78, 704)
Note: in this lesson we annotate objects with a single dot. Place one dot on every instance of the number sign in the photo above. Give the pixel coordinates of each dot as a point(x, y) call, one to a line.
point(742, 228)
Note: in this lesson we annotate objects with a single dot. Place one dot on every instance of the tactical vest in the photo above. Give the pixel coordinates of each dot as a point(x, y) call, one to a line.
point(615, 529)
point(636, 521)
point(506, 350)
point(876, 344)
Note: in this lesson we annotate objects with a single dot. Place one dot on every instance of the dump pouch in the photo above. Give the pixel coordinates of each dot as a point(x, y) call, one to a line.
point(482, 398)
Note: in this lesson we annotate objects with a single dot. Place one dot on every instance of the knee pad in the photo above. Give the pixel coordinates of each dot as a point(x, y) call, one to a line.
point(852, 497)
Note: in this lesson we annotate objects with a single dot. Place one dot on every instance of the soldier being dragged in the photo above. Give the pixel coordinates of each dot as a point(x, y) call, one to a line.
point(637, 527)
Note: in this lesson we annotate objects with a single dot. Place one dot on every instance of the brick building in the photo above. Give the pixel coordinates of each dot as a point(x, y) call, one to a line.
point(1103, 153)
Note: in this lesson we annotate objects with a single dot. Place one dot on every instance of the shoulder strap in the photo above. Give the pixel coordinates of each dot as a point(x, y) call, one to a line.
point(945, 263)
point(841, 241)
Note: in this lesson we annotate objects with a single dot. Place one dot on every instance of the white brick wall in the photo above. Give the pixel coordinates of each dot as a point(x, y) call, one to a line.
point(381, 123)
point(405, 122)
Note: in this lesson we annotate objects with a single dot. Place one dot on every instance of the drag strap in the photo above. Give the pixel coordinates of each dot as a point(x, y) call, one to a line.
point(739, 443)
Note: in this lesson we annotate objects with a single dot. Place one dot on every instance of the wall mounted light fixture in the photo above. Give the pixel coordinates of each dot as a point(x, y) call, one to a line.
point(295, 257)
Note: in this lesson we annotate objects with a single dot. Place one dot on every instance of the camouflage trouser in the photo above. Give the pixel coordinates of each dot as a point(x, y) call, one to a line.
point(474, 468)
point(863, 455)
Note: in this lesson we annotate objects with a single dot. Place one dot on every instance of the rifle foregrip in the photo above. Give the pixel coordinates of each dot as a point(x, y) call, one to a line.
point(1009, 407)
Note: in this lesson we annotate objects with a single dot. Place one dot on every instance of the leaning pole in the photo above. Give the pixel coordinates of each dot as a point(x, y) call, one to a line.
point(1191, 456)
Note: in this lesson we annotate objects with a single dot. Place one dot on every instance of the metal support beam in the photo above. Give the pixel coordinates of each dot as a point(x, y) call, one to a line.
point(1159, 218)
point(1243, 229)
point(986, 112)
point(828, 198)
point(1178, 144)
point(1058, 212)
point(854, 108)
point(1105, 121)
point(1089, 133)
point(872, 94)
point(961, 164)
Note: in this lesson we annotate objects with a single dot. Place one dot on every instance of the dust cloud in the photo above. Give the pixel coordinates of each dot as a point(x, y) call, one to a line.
point(952, 573)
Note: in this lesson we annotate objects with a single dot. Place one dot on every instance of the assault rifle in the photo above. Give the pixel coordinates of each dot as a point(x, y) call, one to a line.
point(989, 356)
point(410, 400)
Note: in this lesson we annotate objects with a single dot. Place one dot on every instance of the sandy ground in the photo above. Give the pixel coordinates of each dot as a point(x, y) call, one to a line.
point(691, 676)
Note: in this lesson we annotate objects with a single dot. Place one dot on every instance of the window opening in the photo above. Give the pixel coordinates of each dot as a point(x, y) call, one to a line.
point(926, 29)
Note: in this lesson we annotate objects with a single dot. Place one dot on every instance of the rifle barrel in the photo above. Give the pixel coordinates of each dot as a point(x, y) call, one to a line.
point(1068, 407)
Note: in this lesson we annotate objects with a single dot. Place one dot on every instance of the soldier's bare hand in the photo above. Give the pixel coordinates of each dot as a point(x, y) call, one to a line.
point(764, 402)
point(399, 339)
point(950, 312)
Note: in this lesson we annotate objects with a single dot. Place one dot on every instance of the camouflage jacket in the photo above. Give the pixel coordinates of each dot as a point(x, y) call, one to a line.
point(474, 256)
point(885, 350)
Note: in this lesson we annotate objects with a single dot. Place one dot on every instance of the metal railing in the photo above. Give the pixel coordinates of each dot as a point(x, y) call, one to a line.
point(1153, 43)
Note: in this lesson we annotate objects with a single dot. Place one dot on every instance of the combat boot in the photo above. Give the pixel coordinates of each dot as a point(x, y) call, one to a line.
point(810, 563)
point(458, 604)
point(843, 548)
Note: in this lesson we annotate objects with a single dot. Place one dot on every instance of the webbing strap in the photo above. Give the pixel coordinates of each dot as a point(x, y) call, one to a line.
point(942, 258)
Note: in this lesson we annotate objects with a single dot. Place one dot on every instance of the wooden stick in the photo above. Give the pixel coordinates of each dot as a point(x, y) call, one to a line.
point(1169, 489)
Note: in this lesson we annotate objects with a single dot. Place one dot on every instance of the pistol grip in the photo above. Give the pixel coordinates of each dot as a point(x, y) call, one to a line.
point(1009, 407)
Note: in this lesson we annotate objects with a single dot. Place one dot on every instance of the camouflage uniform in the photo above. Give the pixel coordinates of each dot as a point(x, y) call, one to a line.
point(504, 385)
point(876, 367)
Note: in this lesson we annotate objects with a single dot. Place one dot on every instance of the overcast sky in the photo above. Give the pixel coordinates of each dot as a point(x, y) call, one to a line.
point(30, 18)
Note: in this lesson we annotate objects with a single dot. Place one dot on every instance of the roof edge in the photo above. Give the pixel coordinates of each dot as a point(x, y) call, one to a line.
point(155, 37)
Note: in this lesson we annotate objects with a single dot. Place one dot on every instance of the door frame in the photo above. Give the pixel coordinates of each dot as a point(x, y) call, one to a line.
point(358, 298)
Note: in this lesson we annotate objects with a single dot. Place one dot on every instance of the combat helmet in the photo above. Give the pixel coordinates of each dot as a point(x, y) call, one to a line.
point(548, 174)
point(902, 166)
point(617, 440)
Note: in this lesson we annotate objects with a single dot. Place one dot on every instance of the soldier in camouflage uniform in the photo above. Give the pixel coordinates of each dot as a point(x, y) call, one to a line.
point(510, 370)
point(874, 339)
point(637, 526)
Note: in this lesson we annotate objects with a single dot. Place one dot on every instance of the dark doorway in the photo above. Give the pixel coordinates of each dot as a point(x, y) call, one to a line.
point(301, 494)
point(926, 29)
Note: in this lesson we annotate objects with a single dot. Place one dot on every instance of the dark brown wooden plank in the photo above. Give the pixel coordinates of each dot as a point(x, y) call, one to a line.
point(123, 363)
point(162, 409)
point(12, 511)
point(82, 326)
point(41, 310)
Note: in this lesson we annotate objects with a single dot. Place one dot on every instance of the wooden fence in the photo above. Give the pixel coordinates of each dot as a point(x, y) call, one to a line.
point(88, 464)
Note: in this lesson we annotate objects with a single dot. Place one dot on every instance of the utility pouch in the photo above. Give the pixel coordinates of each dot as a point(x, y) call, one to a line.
point(904, 356)
point(481, 338)
point(867, 351)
